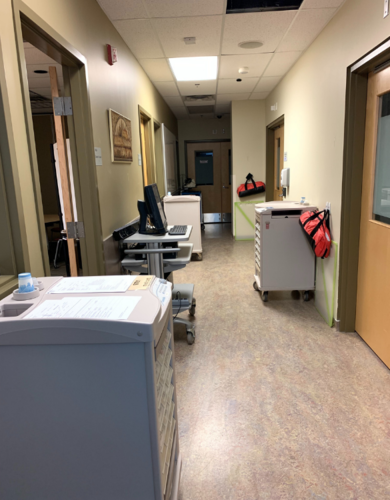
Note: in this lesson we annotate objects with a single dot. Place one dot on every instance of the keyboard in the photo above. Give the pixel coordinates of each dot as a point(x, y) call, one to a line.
point(178, 230)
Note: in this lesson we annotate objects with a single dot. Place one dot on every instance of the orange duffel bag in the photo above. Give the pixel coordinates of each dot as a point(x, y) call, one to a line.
point(317, 230)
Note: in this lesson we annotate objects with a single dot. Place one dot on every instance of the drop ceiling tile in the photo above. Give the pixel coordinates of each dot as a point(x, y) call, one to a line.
point(174, 101)
point(201, 115)
point(158, 70)
point(182, 8)
point(266, 27)
point(231, 86)
point(205, 87)
point(321, 4)
point(167, 89)
point(267, 83)
point(223, 108)
point(225, 98)
point(35, 56)
point(123, 9)
point(207, 31)
point(281, 63)
point(307, 26)
point(180, 112)
point(45, 92)
point(140, 37)
point(32, 67)
point(259, 95)
point(256, 63)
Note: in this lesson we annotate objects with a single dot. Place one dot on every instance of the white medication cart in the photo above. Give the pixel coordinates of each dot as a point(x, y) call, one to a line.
point(185, 210)
point(87, 391)
point(284, 259)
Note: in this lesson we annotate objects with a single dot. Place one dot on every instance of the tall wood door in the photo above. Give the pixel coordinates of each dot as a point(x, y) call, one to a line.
point(208, 164)
point(226, 175)
point(278, 162)
point(373, 296)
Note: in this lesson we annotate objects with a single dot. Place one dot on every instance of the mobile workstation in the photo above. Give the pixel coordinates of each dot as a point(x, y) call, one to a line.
point(87, 391)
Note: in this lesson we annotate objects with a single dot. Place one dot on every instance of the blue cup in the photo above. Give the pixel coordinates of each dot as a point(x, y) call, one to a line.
point(25, 283)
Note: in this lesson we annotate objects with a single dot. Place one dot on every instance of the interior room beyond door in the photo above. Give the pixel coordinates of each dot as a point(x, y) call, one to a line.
point(373, 295)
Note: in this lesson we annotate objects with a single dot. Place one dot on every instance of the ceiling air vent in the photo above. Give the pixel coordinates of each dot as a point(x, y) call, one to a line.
point(239, 6)
point(199, 100)
point(197, 110)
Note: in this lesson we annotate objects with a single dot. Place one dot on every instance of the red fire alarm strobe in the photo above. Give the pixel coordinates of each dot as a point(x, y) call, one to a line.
point(112, 55)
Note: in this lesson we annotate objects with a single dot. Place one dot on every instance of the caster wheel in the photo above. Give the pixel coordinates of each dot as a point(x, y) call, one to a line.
point(200, 256)
point(202, 227)
point(190, 336)
point(306, 297)
point(265, 296)
point(192, 308)
point(255, 286)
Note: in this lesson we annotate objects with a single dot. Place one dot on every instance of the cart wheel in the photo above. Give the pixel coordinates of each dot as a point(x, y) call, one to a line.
point(306, 297)
point(255, 286)
point(200, 256)
point(192, 308)
point(202, 226)
point(191, 336)
point(265, 296)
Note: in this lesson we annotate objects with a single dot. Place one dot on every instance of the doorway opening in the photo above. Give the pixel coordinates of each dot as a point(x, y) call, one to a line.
point(62, 155)
point(146, 137)
point(45, 81)
point(274, 159)
point(209, 165)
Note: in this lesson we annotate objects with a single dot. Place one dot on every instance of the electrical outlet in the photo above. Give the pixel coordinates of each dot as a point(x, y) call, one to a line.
point(386, 8)
point(215, 131)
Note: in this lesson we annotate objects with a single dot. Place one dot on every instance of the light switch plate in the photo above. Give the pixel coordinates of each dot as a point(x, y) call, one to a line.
point(140, 160)
point(386, 8)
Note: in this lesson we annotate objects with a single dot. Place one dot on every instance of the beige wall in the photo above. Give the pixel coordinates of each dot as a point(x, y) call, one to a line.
point(201, 130)
point(121, 87)
point(248, 149)
point(312, 99)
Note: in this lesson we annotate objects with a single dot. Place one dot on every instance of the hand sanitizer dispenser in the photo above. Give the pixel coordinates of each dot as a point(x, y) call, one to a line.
point(285, 177)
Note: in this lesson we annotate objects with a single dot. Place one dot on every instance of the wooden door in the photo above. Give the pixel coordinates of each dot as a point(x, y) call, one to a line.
point(64, 169)
point(278, 162)
point(204, 165)
point(373, 295)
point(147, 161)
point(226, 159)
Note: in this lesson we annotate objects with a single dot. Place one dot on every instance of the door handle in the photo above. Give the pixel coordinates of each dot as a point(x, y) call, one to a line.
point(225, 187)
point(280, 196)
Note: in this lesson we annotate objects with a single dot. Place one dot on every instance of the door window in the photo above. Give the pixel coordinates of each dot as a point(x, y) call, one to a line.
point(381, 205)
point(204, 168)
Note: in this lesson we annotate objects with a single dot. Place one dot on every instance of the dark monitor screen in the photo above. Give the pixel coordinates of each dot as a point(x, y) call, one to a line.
point(154, 206)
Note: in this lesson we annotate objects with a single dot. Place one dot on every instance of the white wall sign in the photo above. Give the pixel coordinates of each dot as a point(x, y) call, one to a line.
point(98, 156)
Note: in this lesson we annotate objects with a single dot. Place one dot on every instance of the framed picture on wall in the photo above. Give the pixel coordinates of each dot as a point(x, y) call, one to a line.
point(120, 138)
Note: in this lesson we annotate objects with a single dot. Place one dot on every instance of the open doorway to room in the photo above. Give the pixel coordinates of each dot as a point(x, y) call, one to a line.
point(61, 148)
point(274, 159)
point(146, 137)
point(45, 78)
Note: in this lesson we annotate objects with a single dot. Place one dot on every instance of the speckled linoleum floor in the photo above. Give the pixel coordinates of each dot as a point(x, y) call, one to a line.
point(273, 404)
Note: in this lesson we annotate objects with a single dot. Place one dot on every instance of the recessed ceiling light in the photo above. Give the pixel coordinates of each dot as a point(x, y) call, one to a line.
point(254, 44)
point(189, 69)
point(244, 70)
point(40, 71)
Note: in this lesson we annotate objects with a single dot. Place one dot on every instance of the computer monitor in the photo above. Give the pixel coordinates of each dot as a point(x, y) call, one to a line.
point(155, 208)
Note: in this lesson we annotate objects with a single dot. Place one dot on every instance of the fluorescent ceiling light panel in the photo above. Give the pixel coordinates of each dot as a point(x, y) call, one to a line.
point(194, 69)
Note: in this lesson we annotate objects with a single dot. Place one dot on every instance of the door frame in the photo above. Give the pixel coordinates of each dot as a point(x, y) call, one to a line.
point(194, 141)
point(354, 135)
point(270, 156)
point(28, 25)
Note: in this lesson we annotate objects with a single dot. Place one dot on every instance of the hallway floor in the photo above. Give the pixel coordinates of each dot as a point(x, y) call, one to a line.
point(273, 404)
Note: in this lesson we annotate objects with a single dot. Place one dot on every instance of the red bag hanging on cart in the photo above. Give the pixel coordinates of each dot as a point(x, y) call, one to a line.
point(250, 187)
point(317, 230)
